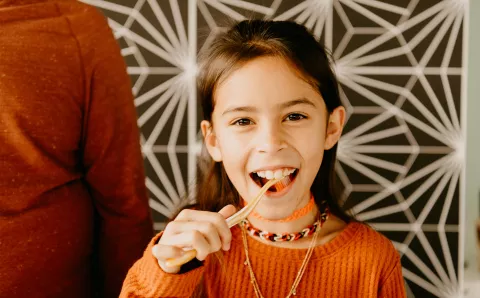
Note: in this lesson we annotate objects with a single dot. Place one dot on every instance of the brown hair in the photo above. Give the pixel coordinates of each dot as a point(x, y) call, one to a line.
point(248, 40)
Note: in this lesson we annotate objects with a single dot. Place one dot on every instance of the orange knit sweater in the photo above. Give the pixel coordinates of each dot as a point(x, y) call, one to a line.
point(359, 262)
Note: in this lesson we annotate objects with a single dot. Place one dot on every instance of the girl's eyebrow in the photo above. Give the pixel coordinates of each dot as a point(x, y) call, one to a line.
point(288, 104)
point(239, 109)
point(300, 101)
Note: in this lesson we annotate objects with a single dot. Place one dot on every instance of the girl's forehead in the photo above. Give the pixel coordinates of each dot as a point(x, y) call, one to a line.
point(266, 80)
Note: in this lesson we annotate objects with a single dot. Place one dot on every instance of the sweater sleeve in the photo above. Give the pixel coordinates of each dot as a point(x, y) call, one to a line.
point(110, 150)
point(146, 279)
point(394, 285)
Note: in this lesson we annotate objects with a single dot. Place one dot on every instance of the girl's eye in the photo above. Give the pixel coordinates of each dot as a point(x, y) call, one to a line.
point(242, 122)
point(295, 117)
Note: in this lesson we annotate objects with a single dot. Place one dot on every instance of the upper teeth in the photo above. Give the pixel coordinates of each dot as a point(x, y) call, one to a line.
point(277, 174)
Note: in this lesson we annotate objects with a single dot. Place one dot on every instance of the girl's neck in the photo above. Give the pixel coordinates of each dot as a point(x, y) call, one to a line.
point(331, 228)
point(290, 226)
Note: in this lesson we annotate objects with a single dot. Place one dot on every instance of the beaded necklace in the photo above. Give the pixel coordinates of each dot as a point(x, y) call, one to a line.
point(308, 231)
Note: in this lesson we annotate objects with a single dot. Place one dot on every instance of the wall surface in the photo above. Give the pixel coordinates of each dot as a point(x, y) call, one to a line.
point(402, 73)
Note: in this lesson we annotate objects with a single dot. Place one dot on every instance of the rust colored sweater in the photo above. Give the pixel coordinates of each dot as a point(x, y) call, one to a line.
point(74, 213)
point(359, 262)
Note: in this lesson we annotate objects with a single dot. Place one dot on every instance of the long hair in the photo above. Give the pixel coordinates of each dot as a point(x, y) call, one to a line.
point(248, 40)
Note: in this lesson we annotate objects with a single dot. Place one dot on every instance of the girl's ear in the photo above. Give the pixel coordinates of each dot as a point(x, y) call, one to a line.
point(211, 141)
point(334, 127)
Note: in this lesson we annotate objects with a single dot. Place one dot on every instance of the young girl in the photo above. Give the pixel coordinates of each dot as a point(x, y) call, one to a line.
point(272, 109)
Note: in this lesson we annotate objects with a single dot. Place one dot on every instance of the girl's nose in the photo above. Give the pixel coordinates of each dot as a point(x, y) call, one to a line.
point(271, 140)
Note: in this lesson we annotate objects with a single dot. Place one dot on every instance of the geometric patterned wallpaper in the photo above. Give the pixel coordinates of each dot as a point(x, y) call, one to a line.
point(401, 66)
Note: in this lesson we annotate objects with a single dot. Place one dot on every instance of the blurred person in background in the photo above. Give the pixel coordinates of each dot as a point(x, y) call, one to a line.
point(74, 212)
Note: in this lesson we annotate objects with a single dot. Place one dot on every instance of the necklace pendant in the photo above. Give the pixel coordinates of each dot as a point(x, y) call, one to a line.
point(294, 293)
point(245, 263)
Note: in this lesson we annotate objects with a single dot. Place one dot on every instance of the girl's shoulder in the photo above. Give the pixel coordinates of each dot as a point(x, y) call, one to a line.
point(366, 237)
point(368, 250)
point(368, 242)
point(359, 235)
point(358, 240)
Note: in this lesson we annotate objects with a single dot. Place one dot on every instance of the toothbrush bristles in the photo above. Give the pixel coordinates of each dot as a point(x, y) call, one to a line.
point(284, 182)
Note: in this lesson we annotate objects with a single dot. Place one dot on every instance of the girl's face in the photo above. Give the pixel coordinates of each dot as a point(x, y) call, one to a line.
point(268, 121)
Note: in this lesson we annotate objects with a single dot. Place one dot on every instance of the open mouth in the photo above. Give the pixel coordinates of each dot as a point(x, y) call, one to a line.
point(262, 177)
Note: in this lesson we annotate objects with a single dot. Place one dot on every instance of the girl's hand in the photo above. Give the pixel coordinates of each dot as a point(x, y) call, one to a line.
point(206, 232)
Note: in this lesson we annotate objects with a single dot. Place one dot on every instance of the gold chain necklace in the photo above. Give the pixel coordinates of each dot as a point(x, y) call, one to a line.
point(293, 290)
